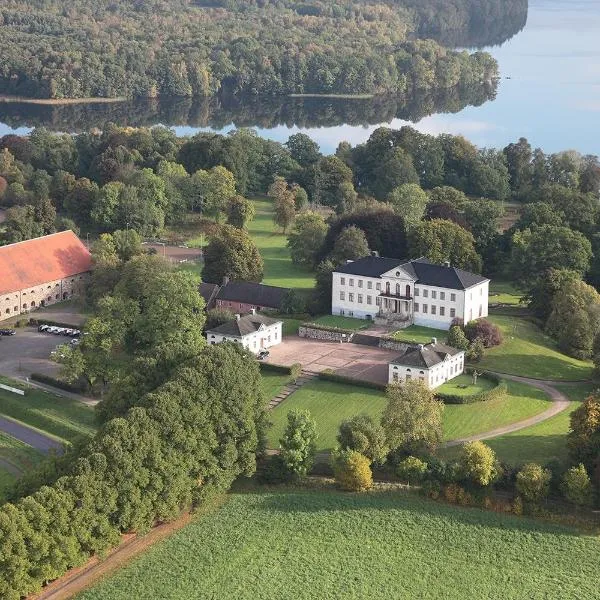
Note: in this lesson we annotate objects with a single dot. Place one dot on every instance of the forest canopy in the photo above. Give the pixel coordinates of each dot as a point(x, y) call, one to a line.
point(102, 48)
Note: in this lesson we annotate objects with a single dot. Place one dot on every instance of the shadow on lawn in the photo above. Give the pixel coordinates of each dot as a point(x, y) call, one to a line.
point(318, 502)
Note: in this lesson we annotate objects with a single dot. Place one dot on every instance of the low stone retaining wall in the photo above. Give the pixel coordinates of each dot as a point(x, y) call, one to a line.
point(391, 344)
point(329, 335)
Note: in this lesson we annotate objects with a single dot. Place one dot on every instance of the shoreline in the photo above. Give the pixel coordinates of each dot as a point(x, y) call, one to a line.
point(60, 101)
point(340, 96)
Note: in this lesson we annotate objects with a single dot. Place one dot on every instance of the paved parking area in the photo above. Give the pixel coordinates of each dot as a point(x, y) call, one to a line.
point(28, 352)
point(351, 360)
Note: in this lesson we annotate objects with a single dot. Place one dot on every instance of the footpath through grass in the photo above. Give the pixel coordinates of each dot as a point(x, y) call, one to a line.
point(326, 544)
point(528, 352)
point(61, 417)
point(330, 403)
point(272, 245)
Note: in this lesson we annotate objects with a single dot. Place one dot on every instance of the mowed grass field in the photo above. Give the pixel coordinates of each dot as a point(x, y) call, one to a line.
point(272, 245)
point(417, 334)
point(15, 456)
point(330, 403)
point(60, 417)
point(528, 351)
point(381, 545)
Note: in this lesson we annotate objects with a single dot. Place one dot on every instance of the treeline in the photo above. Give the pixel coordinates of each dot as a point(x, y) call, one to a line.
point(218, 112)
point(181, 422)
point(179, 48)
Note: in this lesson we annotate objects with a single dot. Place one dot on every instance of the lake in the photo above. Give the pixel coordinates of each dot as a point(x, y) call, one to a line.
point(549, 92)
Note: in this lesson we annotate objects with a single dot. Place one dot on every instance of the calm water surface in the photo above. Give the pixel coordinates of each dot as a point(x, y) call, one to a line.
point(549, 93)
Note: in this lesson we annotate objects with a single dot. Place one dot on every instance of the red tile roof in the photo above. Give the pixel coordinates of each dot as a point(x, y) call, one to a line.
point(30, 263)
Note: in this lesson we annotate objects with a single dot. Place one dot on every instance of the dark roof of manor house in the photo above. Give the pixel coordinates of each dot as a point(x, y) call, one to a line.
point(423, 271)
point(40, 260)
point(248, 292)
point(425, 356)
point(208, 291)
point(244, 325)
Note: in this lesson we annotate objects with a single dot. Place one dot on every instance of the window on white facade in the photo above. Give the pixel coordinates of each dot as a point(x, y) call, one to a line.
point(342, 281)
point(425, 308)
point(360, 282)
point(481, 291)
point(433, 309)
point(442, 311)
point(350, 297)
point(351, 313)
point(452, 297)
point(480, 310)
point(378, 286)
point(442, 295)
point(369, 285)
point(416, 291)
point(360, 298)
point(342, 295)
point(369, 298)
point(452, 312)
point(425, 293)
point(433, 294)
point(416, 307)
point(351, 282)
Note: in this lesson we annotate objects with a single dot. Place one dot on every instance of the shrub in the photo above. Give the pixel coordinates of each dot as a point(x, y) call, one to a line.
point(475, 351)
point(295, 371)
point(456, 494)
point(362, 434)
point(457, 338)
point(484, 330)
point(478, 463)
point(517, 506)
point(75, 388)
point(298, 444)
point(328, 375)
point(275, 470)
point(412, 470)
point(533, 482)
point(352, 470)
point(577, 486)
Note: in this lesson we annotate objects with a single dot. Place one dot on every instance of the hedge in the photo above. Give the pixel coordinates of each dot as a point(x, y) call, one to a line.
point(275, 368)
point(329, 376)
point(328, 328)
point(37, 322)
point(497, 392)
point(75, 388)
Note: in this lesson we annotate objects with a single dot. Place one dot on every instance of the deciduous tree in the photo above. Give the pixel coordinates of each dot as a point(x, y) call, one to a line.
point(298, 444)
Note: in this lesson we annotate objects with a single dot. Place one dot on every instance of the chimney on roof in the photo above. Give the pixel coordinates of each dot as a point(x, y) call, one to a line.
point(420, 346)
point(447, 263)
point(434, 341)
point(225, 279)
point(237, 317)
point(374, 253)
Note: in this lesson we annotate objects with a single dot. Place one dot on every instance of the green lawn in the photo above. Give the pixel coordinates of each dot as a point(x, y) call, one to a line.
point(273, 383)
point(330, 403)
point(61, 417)
point(522, 402)
point(22, 456)
point(290, 325)
point(271, 243)
point(326, 544)
point(342, 322)
point(420, 335)
point(504, 292)
point(463, 386)
point(527, 351)
point(544, 441)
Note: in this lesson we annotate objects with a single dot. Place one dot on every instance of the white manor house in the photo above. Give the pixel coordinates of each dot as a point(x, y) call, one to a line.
point(401, 293)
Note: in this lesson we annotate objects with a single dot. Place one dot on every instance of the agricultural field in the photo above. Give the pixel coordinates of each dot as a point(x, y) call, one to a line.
point(528, 352)
point(306, 544)
point(60, 417)
point(330, 403)
point(272, 245)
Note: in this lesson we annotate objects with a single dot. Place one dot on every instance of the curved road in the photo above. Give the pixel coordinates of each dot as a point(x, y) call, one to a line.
point(559, 403)
point(34, 438)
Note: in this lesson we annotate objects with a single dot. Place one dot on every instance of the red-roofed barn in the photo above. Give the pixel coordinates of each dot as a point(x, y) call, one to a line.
point(42, 271)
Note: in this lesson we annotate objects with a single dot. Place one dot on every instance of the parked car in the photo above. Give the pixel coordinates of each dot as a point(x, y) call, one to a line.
point(43, 327)
point(58, 330)
point(67, 332)
point(262, 354)
point(7, 332)
point(74, 342)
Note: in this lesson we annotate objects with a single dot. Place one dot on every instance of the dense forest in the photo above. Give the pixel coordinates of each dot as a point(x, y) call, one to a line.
point(181, 48)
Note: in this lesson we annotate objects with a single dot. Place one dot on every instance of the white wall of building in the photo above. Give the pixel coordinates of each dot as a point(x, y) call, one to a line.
point(433, 377)
point(255, 342)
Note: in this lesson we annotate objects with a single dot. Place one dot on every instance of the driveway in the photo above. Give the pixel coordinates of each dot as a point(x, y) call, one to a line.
point(351, 360)
point(28, 352)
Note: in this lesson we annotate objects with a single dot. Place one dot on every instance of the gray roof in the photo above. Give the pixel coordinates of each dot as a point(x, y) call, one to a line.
point(245, 325)
point(208, 291)
point(249, 292)
point(425, 356)
point(422, 270)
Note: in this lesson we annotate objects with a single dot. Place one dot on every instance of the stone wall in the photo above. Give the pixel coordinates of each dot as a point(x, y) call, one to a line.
point(391, 344)
point(314, 333)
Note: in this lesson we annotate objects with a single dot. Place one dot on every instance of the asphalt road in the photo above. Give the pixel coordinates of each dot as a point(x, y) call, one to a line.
point(35, 439)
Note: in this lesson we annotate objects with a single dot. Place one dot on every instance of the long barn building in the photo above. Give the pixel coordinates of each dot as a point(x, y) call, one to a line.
point(42, 271)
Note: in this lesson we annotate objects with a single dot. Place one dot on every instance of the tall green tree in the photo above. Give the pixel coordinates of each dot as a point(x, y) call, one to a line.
point(410, 201)
point(350, 244)
point(306, 238)
point(298, 443)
